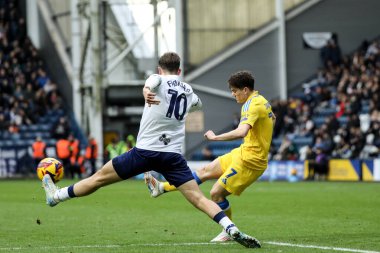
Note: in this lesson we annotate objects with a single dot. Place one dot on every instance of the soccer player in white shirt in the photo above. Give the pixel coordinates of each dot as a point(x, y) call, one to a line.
point(158, 148)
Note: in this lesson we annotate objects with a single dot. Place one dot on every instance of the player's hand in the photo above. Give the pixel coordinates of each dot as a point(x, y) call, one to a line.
point(150, 98)
point(209, 135)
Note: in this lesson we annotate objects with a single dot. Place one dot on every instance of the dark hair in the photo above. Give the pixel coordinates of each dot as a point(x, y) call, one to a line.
point(169, 61)
point(242, 79)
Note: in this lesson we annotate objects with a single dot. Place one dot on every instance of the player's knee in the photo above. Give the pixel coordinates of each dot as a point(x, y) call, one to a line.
point(206, 173)
point(216, 196)
point(201, 173)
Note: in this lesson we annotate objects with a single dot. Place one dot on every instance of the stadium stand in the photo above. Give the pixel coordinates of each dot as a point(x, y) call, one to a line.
point(338, 111)
point(343, 95)
point(30, 102)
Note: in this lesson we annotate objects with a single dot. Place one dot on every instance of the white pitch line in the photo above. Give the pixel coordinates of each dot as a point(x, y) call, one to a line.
point(321, 247)
point(187, 244)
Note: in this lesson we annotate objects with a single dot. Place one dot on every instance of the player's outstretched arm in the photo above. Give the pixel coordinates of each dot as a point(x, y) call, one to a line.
point(240, 132)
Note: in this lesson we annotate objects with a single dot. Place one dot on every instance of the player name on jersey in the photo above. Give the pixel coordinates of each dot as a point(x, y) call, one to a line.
point(177, 83)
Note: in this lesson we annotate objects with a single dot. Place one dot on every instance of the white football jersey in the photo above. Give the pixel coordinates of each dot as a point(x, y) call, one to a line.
point(162, 127)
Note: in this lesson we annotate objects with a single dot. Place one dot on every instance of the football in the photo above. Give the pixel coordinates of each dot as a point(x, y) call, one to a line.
point(50, 166)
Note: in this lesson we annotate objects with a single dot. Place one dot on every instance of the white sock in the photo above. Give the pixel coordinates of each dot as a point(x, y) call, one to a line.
point(228, 225)
point(62, 194)
point(161, 187)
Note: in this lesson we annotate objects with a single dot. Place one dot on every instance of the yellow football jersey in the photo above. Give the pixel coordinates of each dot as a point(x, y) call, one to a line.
point(257, 112)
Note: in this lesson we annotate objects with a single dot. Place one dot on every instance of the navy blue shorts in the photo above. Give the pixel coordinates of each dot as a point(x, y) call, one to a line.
point(171, 165)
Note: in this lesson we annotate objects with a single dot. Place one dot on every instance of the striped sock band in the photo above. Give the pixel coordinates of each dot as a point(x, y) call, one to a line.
point(219, 216)
point(197, 179)
point(70, 190)
point(224, 205)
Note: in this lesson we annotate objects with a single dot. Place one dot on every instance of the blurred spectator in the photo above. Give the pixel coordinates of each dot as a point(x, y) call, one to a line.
point(342, 99)
point(54, 100)
point(76, 166)
point(372, 50)
point(354, 105)
point(287, 150)
point(129, 143)
point(112, 149)
point(305, 126)
point(306, 153)
point(3, 123)
point(42, 78)
point(318, 168)
point(39, 150)
point(353, 121)
point(369, 150)
point(75, 162)
point(14, 130)
point(40, 102)
point(331, 54)
point(61, 129)
point(74, 145)
point(342, 149)
point(63, 152)
point(356, 141)
point(332, 124)
point(92, 154)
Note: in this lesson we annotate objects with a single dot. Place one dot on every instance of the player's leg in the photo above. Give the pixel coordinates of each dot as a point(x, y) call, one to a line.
point(177, 172)
point(234, 180)
point(207, 172)
point(120, 168)
point(218, 195)
point(194, 195)
point(105, 176)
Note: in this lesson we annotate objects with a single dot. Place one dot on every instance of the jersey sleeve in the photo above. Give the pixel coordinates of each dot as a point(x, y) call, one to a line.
point(250, 116)
point(196, 104)
point(153, 82)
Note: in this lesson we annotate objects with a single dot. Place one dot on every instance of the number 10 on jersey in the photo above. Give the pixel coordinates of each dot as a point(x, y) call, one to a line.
point(175, 104)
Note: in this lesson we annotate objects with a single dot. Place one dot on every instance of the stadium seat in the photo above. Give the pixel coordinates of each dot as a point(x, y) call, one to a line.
point(302, 141)
point(277, 142)
point(220, 152)
point(28, 135)
point(197, 156)
point(224, 144)
point(318, 121)
point(33, 127)
point(23, 128)
point(325, 111)
point(6, 135)
point(21, 143)
point(343, 120)
point(365, 109)
point(50, 142)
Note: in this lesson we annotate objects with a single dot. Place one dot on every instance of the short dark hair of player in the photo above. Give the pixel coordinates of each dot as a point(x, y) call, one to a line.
point(242, 79)
point(169, 61)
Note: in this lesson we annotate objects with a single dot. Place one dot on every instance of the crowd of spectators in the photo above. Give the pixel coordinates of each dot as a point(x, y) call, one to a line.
point(339, 109)
point(26, 91)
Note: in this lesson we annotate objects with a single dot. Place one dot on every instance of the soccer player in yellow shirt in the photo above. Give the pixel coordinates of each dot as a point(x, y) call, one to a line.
point(242, 166)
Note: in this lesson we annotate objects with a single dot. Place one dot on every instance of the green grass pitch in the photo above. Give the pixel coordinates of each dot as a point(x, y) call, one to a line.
point(124, 218)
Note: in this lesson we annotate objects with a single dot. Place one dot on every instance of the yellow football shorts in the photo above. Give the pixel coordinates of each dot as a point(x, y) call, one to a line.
point(236, 174)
